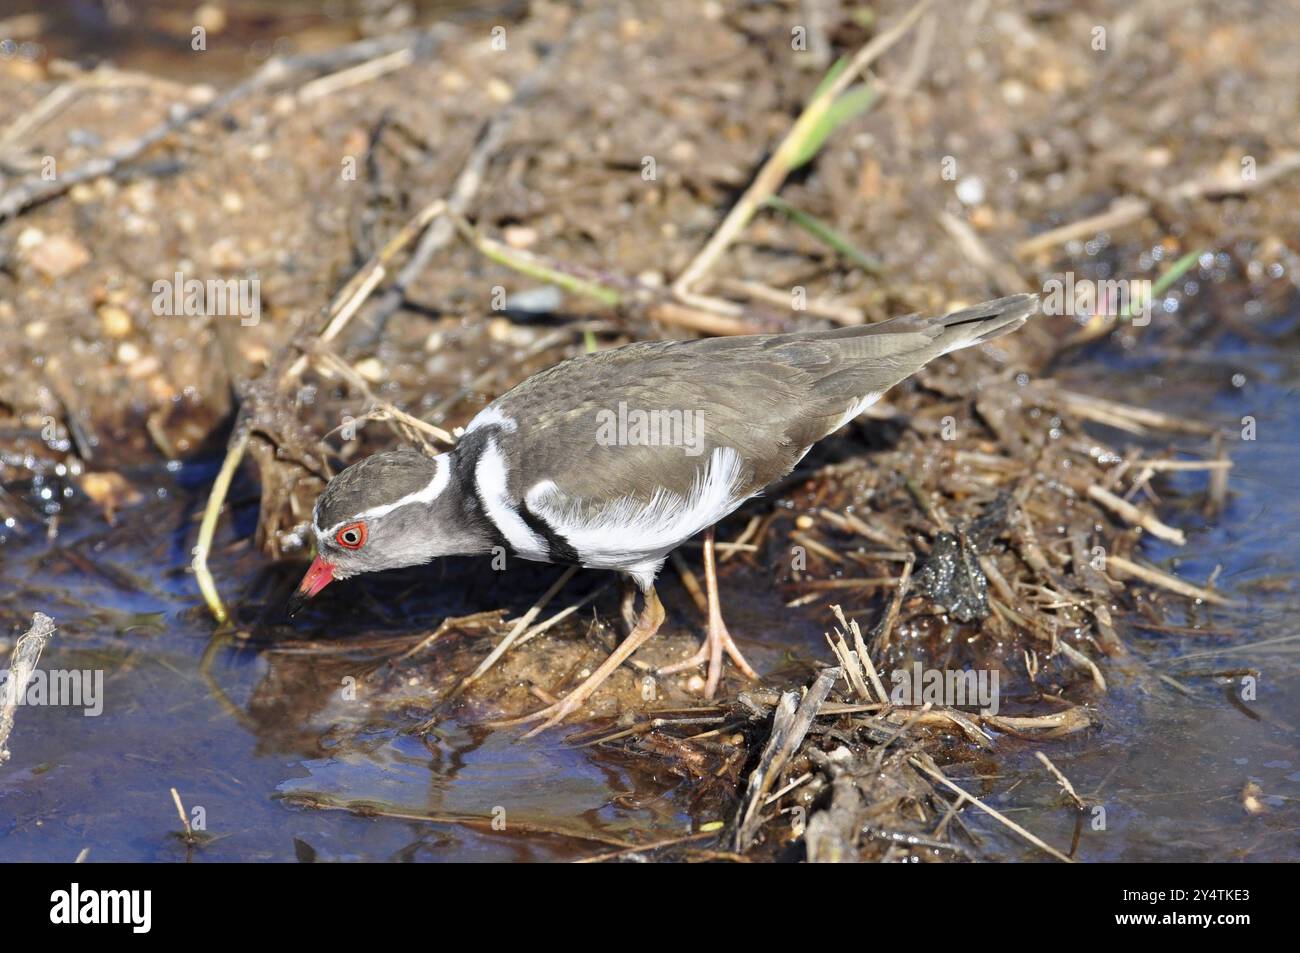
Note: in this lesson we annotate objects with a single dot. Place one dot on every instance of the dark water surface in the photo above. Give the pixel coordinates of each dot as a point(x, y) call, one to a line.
point(1169, 769)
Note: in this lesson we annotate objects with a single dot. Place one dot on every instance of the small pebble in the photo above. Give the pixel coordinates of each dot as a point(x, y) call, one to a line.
point(543, 300)
point(211, 17)
point(371, 369)
point(114, 321)
point(970, 190)
point(519, 236)
point(30, 238)
point(57, 256)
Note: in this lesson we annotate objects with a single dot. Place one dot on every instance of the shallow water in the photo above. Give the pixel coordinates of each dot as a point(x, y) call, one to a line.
point(257, 736)
point(1169, 769)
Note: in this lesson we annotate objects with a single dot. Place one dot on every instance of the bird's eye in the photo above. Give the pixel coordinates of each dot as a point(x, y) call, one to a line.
point(352, 536)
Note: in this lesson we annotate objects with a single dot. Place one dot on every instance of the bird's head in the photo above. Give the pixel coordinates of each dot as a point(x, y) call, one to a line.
point(395, 508)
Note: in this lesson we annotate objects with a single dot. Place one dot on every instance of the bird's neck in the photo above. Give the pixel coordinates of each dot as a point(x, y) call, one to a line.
point(460, 527)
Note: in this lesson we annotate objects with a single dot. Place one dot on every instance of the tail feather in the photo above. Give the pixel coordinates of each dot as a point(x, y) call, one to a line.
point(873, 358)
point(983, 322)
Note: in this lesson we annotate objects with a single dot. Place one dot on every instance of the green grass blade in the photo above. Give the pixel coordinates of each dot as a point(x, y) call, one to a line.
point(852, 104)
point(1165, 281)
point(825, 233)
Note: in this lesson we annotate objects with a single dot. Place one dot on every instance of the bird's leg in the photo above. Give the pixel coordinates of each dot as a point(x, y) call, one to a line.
point(628, 606)
point(718, 638)
point(652, 616)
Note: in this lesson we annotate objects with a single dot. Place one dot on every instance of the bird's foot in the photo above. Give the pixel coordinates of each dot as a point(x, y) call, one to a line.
point(550, 716)
point(717, 641)
point(652, 616)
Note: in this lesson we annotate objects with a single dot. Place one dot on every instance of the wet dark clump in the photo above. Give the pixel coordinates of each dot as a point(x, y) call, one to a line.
point(951, 578)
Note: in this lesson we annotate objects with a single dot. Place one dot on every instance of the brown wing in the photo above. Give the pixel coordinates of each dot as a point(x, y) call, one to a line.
point(769, 397)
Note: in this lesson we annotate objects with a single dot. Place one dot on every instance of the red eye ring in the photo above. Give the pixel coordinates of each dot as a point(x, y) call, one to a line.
point(352, 536)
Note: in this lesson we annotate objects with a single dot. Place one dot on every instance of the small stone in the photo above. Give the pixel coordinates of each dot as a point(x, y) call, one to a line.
point(499, 90)
point(1157, 157)
point(695, 684)
point(116, 323)
point(1014, 92)
point(211, 17)
point(160, 387)
point(970, 190)
point(58, 256)
point(109, 491)
point(983, 218)
point(30, 238)
point(519, 236)
point(356, 142)
point(1250, 798)
point(142, 367)
point(225, 255)
point(142, 197)
point(544, 300)
point(370, 368)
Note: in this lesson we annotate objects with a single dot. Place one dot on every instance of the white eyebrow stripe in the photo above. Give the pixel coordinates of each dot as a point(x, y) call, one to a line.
point(426, 494)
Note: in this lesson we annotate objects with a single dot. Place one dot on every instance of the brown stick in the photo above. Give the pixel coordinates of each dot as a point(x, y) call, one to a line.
point(790, 722)
point(1164, 580)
